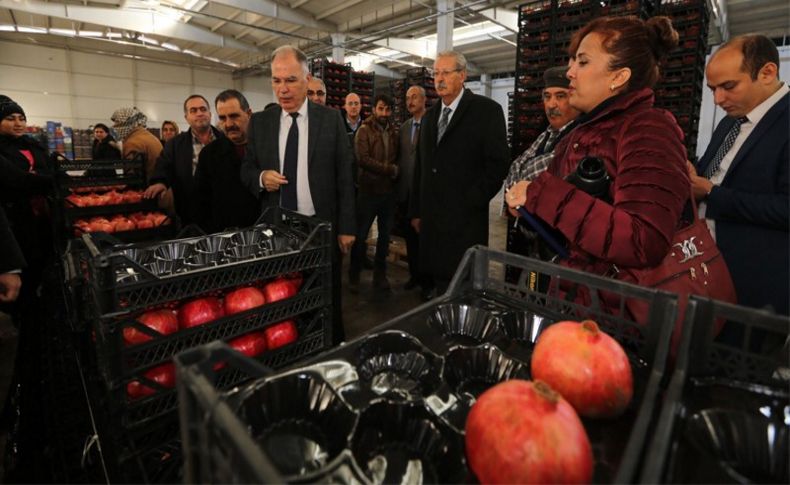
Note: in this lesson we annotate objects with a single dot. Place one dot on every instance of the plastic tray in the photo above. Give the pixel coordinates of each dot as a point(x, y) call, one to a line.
point(426, 367)
point(744, 373)
point(114, 293)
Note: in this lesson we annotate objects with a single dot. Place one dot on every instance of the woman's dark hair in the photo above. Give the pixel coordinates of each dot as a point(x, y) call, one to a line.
point(103, 127)
point(633, 43)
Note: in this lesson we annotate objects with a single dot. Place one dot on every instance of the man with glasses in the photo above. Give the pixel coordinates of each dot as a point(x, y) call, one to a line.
point(316, 91)
point(176, 166)
point(298, 157)
point(462, 159)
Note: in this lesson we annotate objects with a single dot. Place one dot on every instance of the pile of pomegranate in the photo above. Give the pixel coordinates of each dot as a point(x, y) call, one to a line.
point(201, 311)
point(530, 431)
point(112, 197)
point(121, 223)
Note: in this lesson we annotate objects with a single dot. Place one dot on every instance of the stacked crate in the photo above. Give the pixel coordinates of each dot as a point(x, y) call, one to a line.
point(510, 119)
point(83, 144)
point(336, 77)
point(362, 84)
point(681, 84)
point(131, 376)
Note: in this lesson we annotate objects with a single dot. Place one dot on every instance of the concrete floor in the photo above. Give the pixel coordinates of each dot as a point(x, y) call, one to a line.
point(361, 312)
point(369, 308)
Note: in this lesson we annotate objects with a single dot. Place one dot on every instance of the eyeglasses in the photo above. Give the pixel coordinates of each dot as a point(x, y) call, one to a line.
point(443, 72)
point(313, 93)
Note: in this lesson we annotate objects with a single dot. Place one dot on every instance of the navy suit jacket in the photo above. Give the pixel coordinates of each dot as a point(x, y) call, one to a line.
point(752, 210)
point(329, 159)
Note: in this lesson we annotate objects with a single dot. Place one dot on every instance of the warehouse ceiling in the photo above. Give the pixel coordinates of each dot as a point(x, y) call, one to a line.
point(239, 35)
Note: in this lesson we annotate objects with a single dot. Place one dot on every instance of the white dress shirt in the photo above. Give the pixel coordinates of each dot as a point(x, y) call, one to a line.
point(754, 117)
point(304, 198)
point(453, 106)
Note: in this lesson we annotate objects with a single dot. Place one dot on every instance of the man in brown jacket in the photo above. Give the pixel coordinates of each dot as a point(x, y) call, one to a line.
point(376, 148)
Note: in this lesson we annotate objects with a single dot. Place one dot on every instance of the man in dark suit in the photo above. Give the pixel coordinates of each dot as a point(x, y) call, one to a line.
point(176, 165)
point(224, 201)
point(11, 262)
point(742, 180)
point(462, 160)
point(298, 157)
point(409, 137)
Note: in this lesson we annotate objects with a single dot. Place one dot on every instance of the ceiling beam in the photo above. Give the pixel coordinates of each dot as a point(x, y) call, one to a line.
point(337, 8)
point(502, 17)
point(142, 21)
point(414, 47)
point(269, 8)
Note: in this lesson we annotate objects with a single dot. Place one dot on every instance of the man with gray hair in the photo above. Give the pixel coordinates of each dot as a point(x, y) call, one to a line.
point(462, 159)
point(299, 158)
point(316, 91)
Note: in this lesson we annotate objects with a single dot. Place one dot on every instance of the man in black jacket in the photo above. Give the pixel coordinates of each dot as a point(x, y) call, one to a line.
point(223, 200)
point(176, 165)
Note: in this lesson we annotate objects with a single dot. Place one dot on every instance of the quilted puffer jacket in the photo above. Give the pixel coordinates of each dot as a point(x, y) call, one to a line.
point(642, 148)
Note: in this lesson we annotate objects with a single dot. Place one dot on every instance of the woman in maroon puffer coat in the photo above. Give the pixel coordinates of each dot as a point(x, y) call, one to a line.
point(613, 67)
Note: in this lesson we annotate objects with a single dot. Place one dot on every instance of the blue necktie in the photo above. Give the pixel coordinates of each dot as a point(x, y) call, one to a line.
point(725, 147)
point(288, 198)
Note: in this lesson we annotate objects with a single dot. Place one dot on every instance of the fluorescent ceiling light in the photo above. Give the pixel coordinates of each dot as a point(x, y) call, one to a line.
point(171, 47)
point(148, 40)
point(89, 33)
point(114, 35)
point(66, 32)
point(31, 30)
point(7, 28)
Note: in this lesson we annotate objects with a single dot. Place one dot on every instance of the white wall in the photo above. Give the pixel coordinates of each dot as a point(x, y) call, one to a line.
point(499, 90)
point(80, 89)
point(710, 114)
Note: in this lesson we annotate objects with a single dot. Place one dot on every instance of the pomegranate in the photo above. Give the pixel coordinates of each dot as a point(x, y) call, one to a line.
point(251, 344)
point(164, 375)
point(163, 321)
point(157, 218)
point(122, 224)
point(280, 289)
point(281, 334)
point(243, 299)
point(144, 223)
point(200, 311)
point(524, 432)
point(586, 366)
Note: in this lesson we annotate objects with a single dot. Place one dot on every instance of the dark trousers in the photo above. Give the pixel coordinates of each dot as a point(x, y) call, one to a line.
point(338, 331)
point(370, 207)
point(412, 239)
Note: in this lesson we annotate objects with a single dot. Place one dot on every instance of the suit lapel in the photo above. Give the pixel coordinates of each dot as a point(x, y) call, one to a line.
point(762, 127)
point(314, 125)
point(429, 126)
point(270, 133)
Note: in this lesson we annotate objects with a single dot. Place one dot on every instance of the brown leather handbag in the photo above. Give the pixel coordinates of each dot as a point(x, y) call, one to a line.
point(693, 266)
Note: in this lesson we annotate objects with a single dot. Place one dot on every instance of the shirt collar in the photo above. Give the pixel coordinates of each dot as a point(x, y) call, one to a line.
point(454, 105)
point(761, 109)
point(196, 140)
point(302, 111)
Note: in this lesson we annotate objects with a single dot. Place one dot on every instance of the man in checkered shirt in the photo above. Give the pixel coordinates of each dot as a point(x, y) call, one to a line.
point(537, 158)
point(561, 116)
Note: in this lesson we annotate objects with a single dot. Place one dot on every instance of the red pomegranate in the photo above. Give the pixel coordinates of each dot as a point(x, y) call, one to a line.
point(586, 366)
point(251, 344)
point(243, 299)
point(280, 289)
point(281, 334)
point(200, 311)
point(163, 321)
point(524, 432)
point(164, 375)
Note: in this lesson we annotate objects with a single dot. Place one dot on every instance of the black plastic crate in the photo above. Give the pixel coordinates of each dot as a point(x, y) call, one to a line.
point(736, 383)
point(429, 349)
point(139, 416)
point(114, 294)
point(83, 175)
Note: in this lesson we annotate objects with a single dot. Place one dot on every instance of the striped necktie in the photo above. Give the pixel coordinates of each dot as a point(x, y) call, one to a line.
point(725, 147)
point(443, 124)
